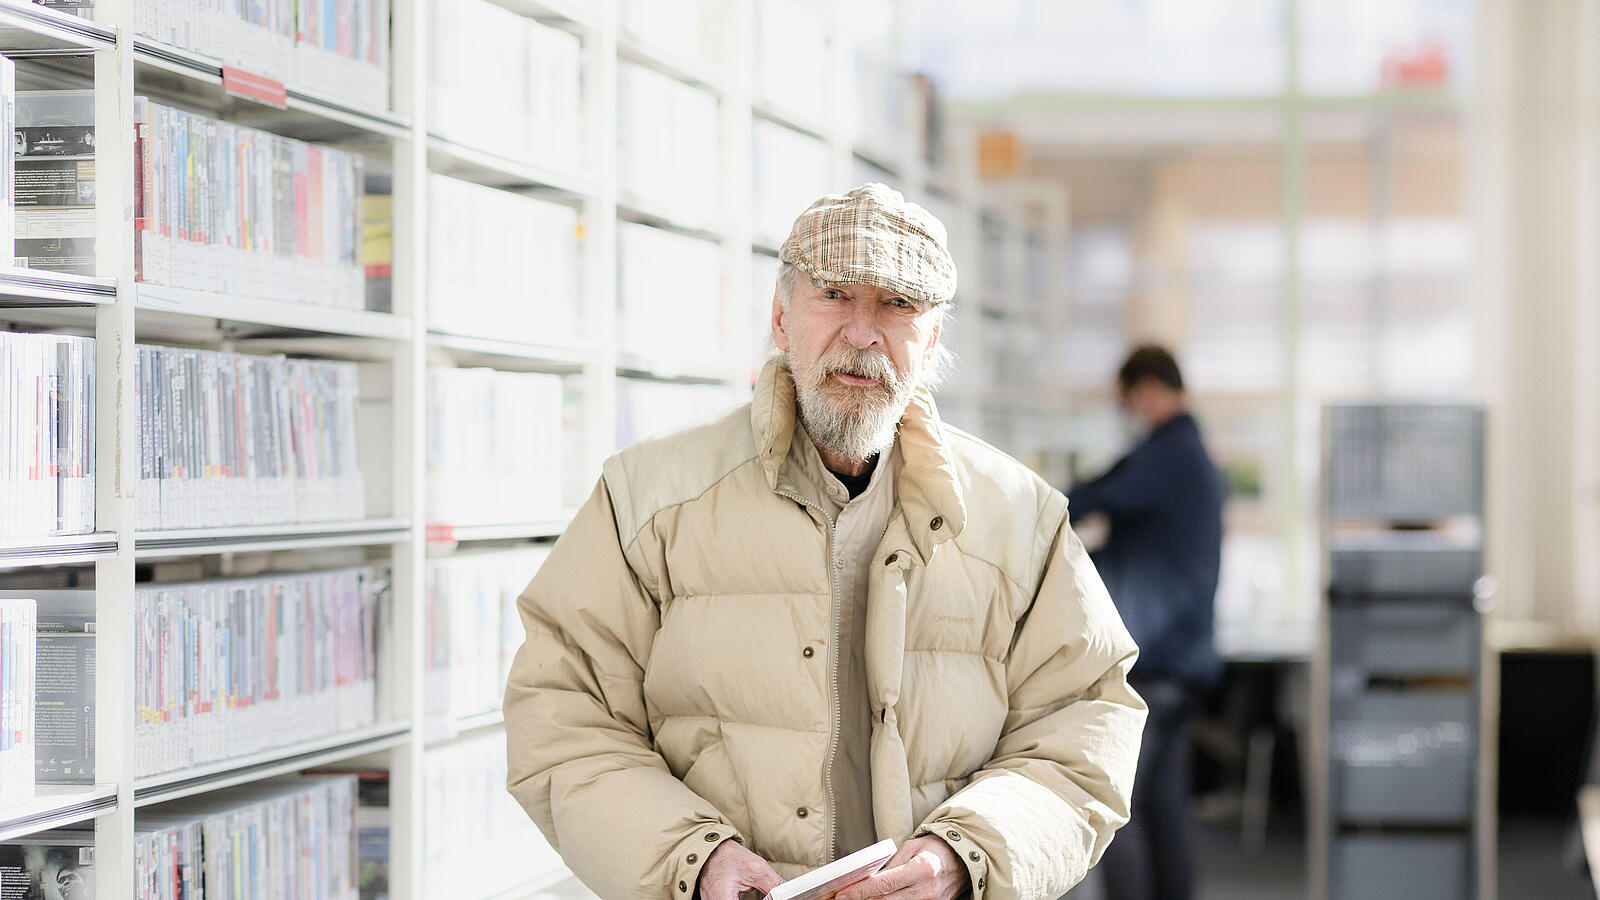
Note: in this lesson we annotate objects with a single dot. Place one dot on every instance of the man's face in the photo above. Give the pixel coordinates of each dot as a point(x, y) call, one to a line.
point(857, 353)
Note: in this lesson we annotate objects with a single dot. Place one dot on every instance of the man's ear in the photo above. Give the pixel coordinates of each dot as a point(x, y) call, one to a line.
point(780, 323)
point(938, 329)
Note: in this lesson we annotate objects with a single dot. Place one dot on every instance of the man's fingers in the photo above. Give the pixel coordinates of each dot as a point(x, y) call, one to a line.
point(902, 855)
point(764, 878)
point(886, 882)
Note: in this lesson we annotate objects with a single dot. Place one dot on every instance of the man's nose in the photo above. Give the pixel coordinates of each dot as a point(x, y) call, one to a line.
point(861, 328)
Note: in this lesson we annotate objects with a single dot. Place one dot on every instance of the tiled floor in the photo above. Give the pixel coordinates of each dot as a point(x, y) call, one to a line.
point(1536, 863)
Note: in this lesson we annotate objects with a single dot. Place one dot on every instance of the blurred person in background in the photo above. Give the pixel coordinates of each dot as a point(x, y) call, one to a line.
point(826, 619)
point(1162, 505)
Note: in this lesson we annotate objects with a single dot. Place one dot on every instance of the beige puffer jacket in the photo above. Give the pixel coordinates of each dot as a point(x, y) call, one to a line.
point(675, 687)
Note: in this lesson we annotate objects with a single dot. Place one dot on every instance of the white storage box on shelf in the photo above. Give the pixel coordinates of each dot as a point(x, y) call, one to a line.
point(790, 171)
point(474, 630)
point(495, 451)
point(669, 305)
point(501, 265)
point(533, 114)
point(667, 147)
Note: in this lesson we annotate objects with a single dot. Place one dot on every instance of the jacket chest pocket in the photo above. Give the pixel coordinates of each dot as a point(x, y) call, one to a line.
point(752, 658)
point(956, 609)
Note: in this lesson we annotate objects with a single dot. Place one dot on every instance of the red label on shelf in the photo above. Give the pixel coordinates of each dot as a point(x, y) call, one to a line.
point(254, 87)
point(441, 534)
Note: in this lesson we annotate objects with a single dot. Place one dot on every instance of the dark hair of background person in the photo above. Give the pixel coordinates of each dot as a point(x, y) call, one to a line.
point(1150, 361)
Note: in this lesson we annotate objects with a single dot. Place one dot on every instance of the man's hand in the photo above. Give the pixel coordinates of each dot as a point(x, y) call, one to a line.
point(732, 869)
point(924, 868)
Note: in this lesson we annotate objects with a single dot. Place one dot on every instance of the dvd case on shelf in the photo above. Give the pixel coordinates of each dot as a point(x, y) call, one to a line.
point(234, 439)
point(8, 163)
point(229, 209)
point(54, 180)
point(81, 8)
point(533, 113)
point(473, 628)
point(224, 669)
point(64, 687)
point(48, 864)
point(495, 446)
point(501, 265)
point(47, 450)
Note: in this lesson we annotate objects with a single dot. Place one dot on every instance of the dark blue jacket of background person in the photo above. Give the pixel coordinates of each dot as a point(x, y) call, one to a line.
point(1160, 562)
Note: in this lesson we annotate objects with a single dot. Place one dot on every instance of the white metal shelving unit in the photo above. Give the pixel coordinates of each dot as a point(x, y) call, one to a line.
point(117, 311)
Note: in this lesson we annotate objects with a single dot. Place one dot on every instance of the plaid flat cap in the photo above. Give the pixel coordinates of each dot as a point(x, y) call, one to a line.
point(871, 235)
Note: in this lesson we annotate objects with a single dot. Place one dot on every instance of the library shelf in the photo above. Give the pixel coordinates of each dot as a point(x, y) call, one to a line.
point(556, 885)
point(311, 116)
point(444, 729)
point(671, 63)
point(31, 289)
point(513, 531)
point(177, 308)
point(29, 29)
point(633, 366)
point(55, 806)
point(876, 158)
point(457, 160)
point(778, 115)
point(468, 350)
point(174, 543)
point(268, 763)
point(561, 13)
point(640, 211)
point(765, 247)
point(57, 550)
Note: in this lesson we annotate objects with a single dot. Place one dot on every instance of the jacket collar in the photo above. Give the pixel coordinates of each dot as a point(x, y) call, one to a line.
point(928, 488)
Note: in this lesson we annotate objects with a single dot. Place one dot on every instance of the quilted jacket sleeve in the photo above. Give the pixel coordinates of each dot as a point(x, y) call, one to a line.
point(1039, 814)
point(579, 753)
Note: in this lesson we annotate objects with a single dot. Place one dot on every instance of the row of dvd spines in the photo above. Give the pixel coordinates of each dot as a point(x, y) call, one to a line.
point(288, 837)
point(338, 48)
point(235, 210)
point(225, 669)
point(293, 836)
point(235, 439)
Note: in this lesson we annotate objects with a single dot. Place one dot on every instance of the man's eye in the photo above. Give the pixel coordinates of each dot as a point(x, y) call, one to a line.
point(902, 303)
point(832, 294)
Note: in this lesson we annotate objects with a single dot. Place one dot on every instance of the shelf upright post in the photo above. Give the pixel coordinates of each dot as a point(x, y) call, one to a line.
point(116, 442)
point(409, 385)
point(599, 246)
point(740, 312)
point(966, 244)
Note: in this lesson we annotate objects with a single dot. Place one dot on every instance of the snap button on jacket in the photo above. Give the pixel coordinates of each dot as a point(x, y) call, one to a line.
point(662, 701)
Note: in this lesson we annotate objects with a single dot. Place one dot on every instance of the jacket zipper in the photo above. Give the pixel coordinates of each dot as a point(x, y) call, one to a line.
point(833, 673)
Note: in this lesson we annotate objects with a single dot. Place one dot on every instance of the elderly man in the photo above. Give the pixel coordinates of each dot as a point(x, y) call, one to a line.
point(826, 619)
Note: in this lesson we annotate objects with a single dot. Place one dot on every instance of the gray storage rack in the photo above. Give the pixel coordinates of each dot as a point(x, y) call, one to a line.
point(1398, 743)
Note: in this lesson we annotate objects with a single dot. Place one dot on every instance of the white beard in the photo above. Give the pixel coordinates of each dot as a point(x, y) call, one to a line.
point(856, 423)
